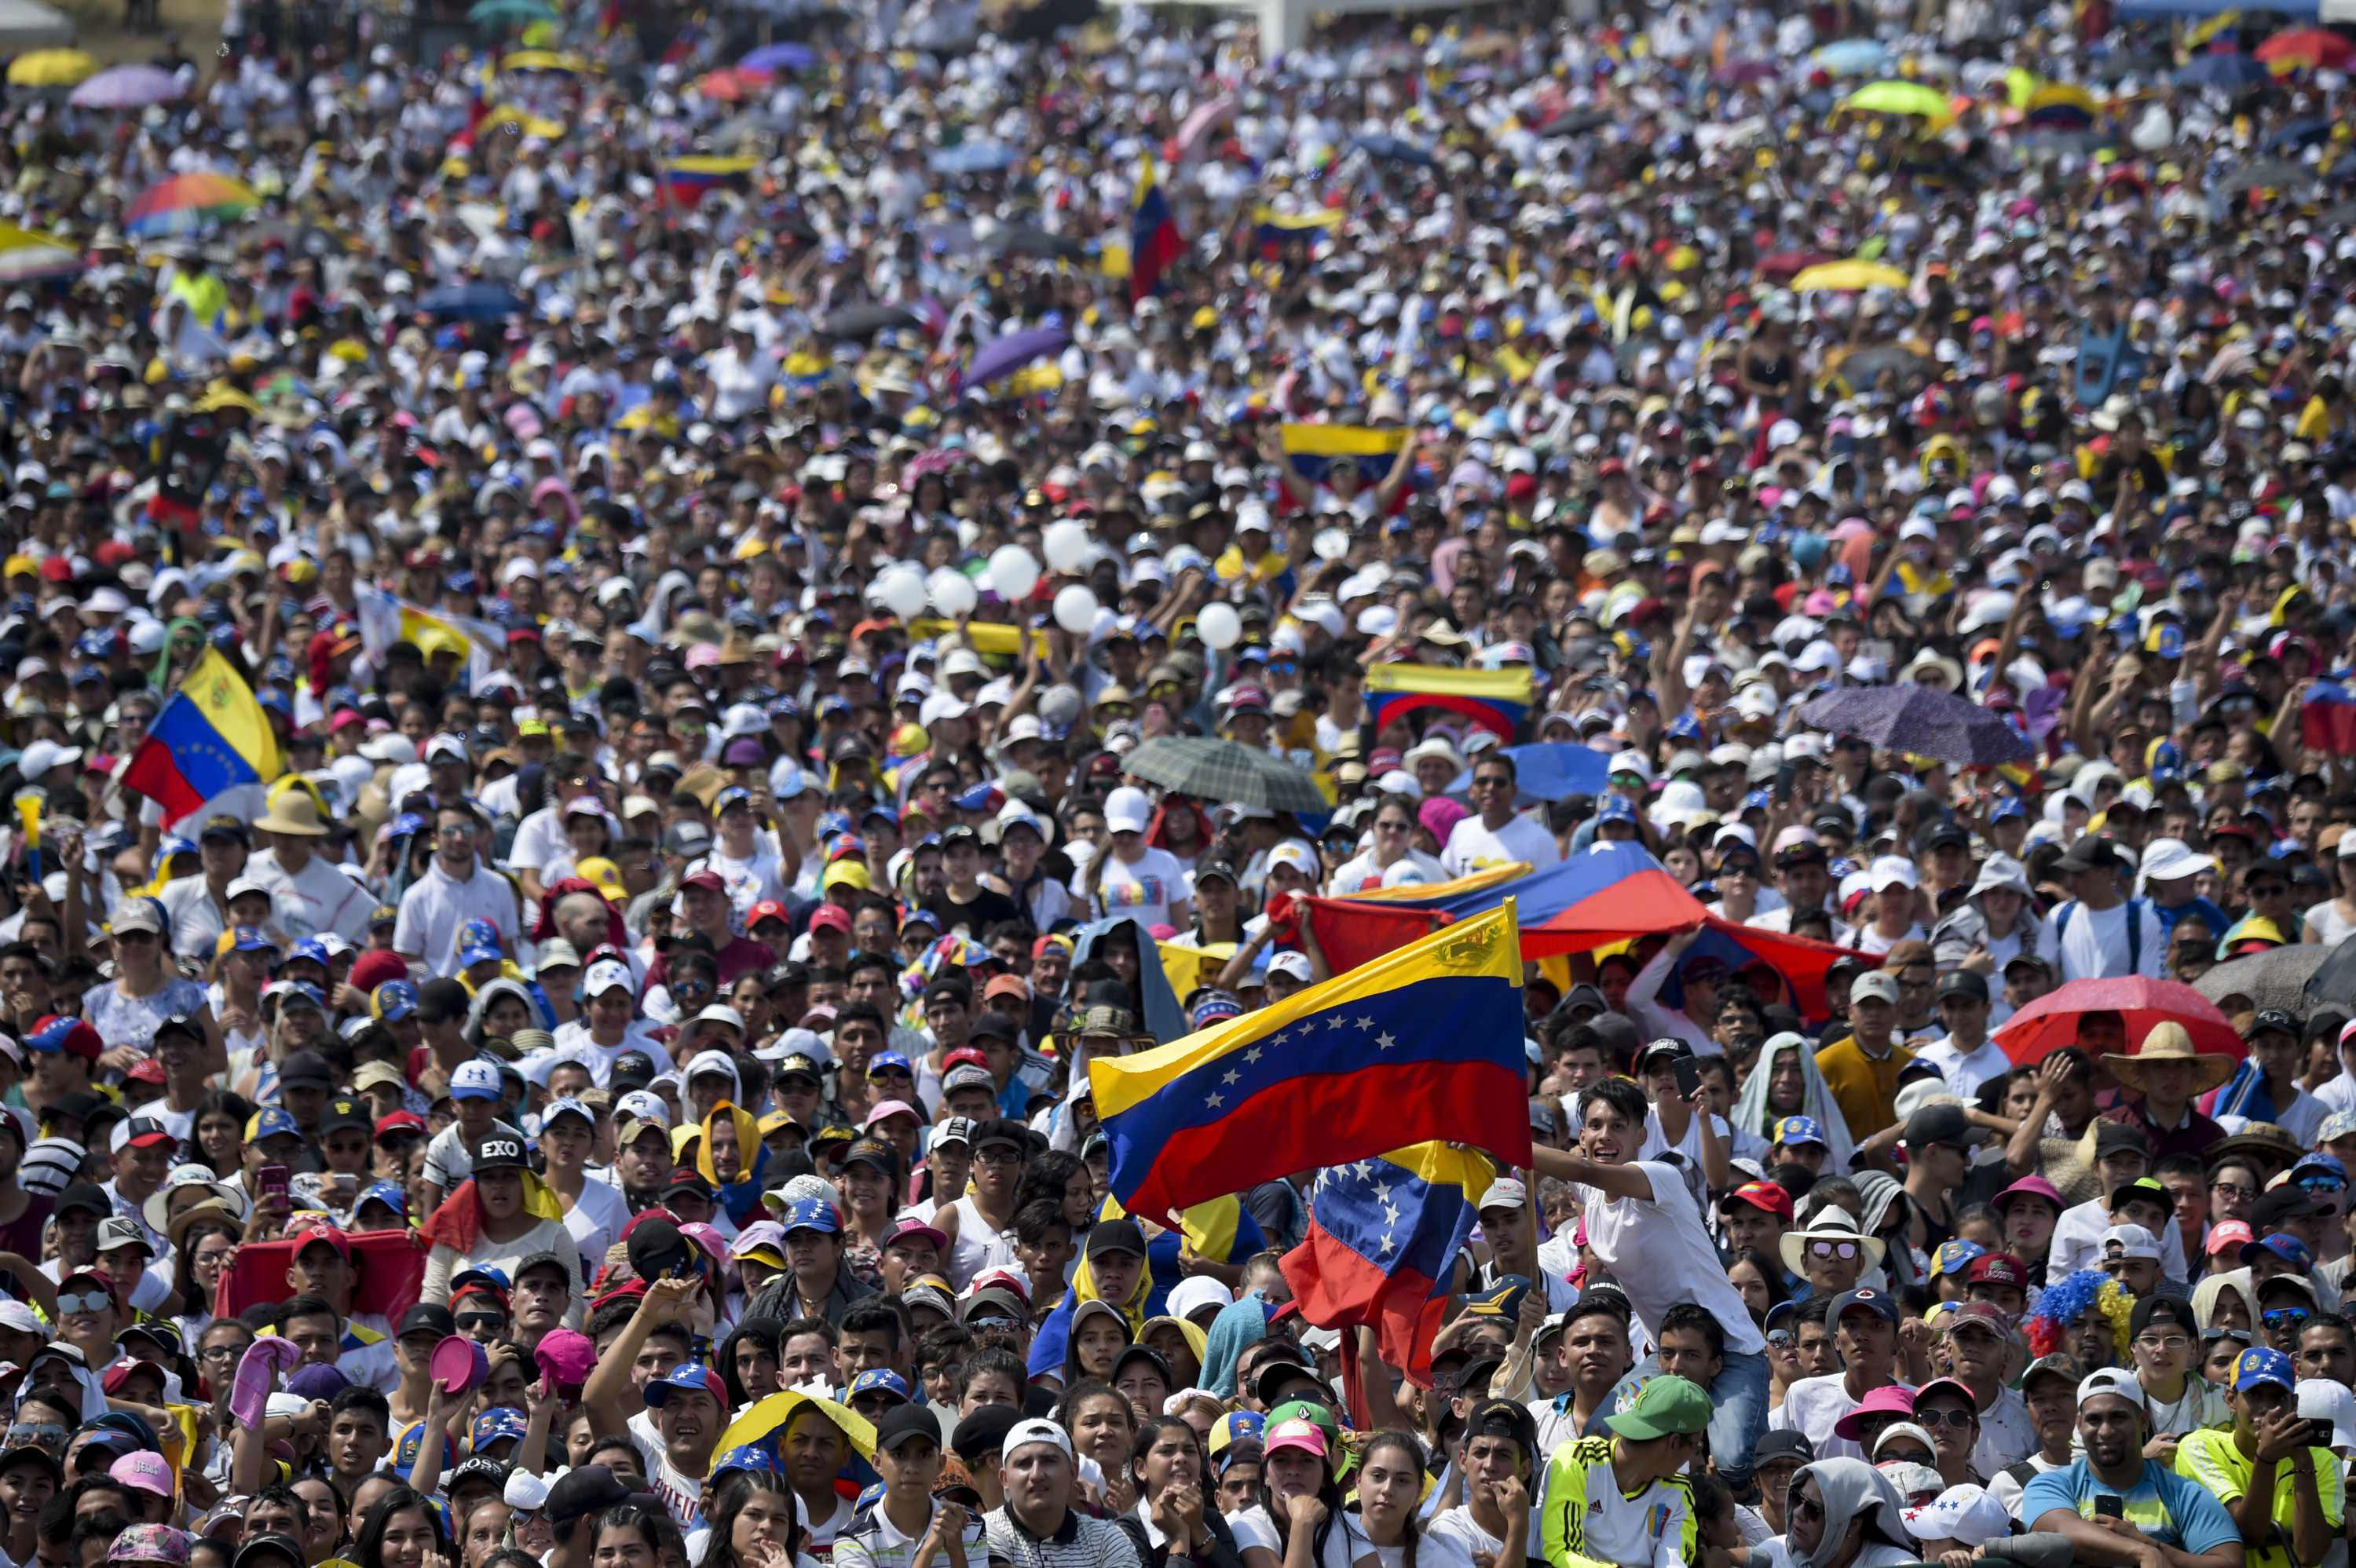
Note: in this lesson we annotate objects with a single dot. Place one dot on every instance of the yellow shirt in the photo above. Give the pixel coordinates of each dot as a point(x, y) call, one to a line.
point(1866, 1089)
point(2211, 1459)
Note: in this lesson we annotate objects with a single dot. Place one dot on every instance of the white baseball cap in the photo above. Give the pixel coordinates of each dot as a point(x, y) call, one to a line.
point(1127, 811)
point(604, 976)
point(1296, 965)
point(1024, 1433)
point(1894, 870)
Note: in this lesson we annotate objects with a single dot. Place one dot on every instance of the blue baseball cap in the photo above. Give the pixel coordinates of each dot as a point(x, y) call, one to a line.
point(2259, 1365)
point(2009, 805)
point(310, 948)
point(177, 846)
point(408, 823)
point(757, 1458)
point(388, 1194)
point(879, 810)
point(1614, 808)
point(687, 1378)
point(302, 991)
point(474, 955)
point(1216, 1007)
point(880, 1378)
point(733, 795)
point(2329, 1164)
point(495, 1427)
point(1793, 1130)
point(2282, 1245)
point(1955, 1256)
point(479, 933)
point(246, 939)
point(274, 1121)
point(888, 1061)
point(813, 1214)
point(395, 1000)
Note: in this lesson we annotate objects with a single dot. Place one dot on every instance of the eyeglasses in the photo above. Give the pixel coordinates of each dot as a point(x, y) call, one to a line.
point(84, 1301)
point(2275, 1317)
point(1958, 1419)
point(2162, 1343)
point(454, 830)
point(133, 938)
point(1492, 781)
point(1832, 1249)
point(223, 1352)
point(2233, 1190)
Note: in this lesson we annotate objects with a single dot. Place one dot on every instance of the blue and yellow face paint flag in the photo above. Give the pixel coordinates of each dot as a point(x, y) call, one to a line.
point(1312, 449)
point(1497, 699)
point(213, 736)
point(1423, 1044)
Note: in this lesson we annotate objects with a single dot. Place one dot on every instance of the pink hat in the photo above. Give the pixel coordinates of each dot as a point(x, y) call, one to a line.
point(885, 1111)
point(2029, 1187)
point(1295, 1433)
point(148, 1472)
point(2227, 1236)
point(565, 1357)
point(1890, 1399)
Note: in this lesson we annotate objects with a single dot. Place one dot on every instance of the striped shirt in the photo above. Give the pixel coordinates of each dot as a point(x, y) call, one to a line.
point(1079, 1542)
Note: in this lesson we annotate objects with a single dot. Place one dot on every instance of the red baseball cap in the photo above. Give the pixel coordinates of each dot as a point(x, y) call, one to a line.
point(829, 917)
point(963, 1056)
point(1765, 1196)
point(326, 1234)
point(1997, 1268)
point(767, 908)
point(708, 881)
point(399, 1122)
point(147, 1069)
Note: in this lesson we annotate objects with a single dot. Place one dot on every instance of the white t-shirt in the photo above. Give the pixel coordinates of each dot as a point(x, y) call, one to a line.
point(1965, 1074)
point(1431, 1551)
point(2082, 944)
point(1458, 1527)
point(1146, 891)
point(1660, 1254)
point(1471, 846)
point(1813, 1407)
point(1345, 1542)
point(595, 1220)
point(749, 882)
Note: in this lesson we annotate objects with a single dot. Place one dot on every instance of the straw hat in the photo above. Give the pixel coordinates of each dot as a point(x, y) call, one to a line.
point(2169, 1042)
point(293, 813)
point(1829, 1224)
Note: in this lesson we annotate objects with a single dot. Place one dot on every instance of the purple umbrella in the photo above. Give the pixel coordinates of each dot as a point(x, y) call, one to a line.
point(771, 58)
point(1922, 719)
point(1011, 352)
point(127, 87)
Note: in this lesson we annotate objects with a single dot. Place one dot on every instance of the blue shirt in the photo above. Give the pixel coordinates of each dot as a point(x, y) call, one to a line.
point(2170, 1508)
point(2211, 915)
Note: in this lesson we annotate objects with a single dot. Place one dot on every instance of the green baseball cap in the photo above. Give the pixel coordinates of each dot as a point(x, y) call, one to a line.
point(1321, 1417)
point(1666, 1406)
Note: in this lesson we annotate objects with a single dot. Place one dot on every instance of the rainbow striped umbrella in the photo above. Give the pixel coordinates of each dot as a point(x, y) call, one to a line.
point(187, 203)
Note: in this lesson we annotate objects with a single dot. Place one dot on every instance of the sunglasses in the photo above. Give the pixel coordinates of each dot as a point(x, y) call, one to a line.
point(1962, 1420)
point(2322, 1184)
point(1782, 1338)
point(43, 1435)
point(84, 1301)
point(2276, 1318)
point(1805, 1507)
point(1832, 1249)
point(481, 1320)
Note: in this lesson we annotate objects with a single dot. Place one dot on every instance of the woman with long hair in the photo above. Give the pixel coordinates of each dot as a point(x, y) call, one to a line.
point(1759, 1280)
point(1100, 1333)
point(1063, 1177)
point(870, 1182)
point(749, 1361)
point(500, 1009)
point(403, 1530)
point(753, 1524)
point(146, 989)
point(1299, 1518)
point(1390, 1491)
point(1099, 1418)
point(219, 1132)
point(1174, 1515)
point(1393, 845)
point(499, 1216)
point(634, 1536)
point(204, 1240)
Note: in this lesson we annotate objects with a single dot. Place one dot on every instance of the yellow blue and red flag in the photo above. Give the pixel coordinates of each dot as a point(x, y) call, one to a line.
point(688, 180)
point(1310, 449)
point(1422, 1043)
point(1153, 239)
point(1497, 699)
point(211, 736)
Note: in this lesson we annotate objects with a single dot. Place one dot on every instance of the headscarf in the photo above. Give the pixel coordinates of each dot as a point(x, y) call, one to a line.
point(1240, 1325)
point(2207, 1298)
point(1854, 1491)
point(458, 1222)
point(497, 987)
point(617, 933)
point(1751, 1112)
point(1882, 1192)
point(740, 1198)
point(1163, 1019)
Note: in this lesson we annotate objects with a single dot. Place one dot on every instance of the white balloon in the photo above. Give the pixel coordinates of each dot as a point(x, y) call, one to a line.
point(1012, 572)
point(1219, 626)
point(1067, 544)
point(1076, 608)
point(953, 594)
point(902, 591)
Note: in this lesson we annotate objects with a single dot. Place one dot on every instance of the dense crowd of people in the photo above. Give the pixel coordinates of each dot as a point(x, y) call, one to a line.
point(644, 567)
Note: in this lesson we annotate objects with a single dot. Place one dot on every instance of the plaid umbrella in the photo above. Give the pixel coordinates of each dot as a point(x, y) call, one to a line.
point(1921, 720)
point(1224, 773)
point(2274, 979)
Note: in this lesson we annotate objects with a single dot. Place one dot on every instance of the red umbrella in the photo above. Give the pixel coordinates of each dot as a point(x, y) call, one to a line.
point(2051, 1022)
point(2309, 46)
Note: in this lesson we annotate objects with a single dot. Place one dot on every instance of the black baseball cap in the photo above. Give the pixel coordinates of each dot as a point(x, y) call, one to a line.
point(1777, 1448)
point(1964, 983)
point(1122, 1235)
point(86, 1195)
point(983, 1434)
point(905, 1421)
point(578, 1494)
point(427, 1318)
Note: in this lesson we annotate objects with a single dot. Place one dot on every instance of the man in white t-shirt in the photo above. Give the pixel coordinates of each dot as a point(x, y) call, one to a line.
point(1964, 1057)
point(1644, 1225)
point(1497, 834)
point(2098, 934)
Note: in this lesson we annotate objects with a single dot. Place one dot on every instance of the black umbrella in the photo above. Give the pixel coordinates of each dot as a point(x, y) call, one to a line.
point(2268, 173)
point(1575, 123)
point(1869, 366)
point(1029, 239)
point(1921, 720)
point(2335, 980)
point(866, 321)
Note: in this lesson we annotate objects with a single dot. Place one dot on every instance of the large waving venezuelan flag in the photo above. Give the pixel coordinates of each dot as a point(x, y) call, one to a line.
point(211, 736)
point(1497, 699)
point(1423, 1044)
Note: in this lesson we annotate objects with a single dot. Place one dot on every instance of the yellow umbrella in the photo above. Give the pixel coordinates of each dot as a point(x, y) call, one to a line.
point(51, 67)
point(1845, 277)
point(544, 60)
point(1901, 98)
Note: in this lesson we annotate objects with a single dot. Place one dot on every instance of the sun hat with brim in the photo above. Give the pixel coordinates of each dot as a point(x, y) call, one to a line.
point(1890, 1399)
point(2260, 1140)
point(212, 1210)
point(1828, 1225)
point(2169, 1042)
point(1666, 1406)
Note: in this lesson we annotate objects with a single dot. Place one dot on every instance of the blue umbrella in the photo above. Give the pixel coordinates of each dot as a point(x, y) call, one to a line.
point(971, 158)
point(1398, 149)
point(1009, 354)
point(1851, 56)
point(2299, 134)
point(2229, 73)
point(473, 301)
point(1922, 719)
point(1550, 771)
point(771, 58)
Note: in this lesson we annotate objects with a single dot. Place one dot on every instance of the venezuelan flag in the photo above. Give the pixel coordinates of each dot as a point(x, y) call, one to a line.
point(1382, 1243)
point(213, 736)
point(764, 1422)
point(2326, 719)
point(1153, 239)
point(688, 180)
point(1424, 1042)
point(1310, 449)
point(1497, 699)
point(2058, 106)
point(1271, 230)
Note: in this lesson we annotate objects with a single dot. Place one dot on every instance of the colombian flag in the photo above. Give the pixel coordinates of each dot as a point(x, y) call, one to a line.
point(1382, 1243)
point(213, 736)
point(1310, 449)
point(1497, 699)
point(1422, 1043)
point(1153, 240)
point(688, 179)
point(2326, 719)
